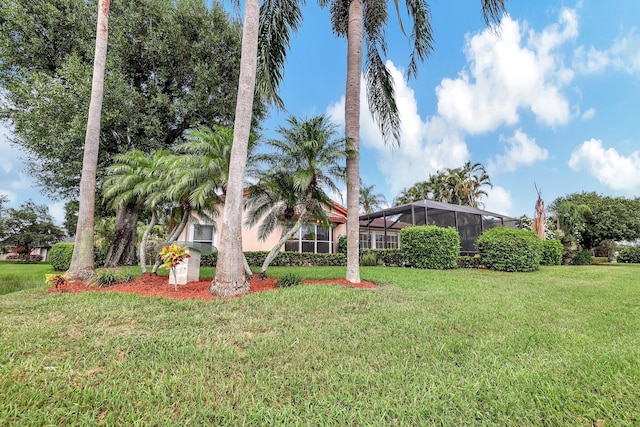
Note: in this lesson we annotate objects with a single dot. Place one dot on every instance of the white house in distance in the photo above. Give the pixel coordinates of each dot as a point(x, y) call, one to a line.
point(312, 237)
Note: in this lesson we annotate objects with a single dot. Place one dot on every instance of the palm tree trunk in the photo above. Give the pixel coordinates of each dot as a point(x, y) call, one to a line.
point(81, 267)
point(145, 238)
point(352, 130)
point(230, 278)
point(285, 236)
point(123, 248)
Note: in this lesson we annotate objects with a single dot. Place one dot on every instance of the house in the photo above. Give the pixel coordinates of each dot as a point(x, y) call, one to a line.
point(381, 229)
point(312, 237)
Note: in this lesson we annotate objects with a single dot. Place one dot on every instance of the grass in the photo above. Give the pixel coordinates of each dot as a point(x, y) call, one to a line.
point(446, 348)
point(16, 276)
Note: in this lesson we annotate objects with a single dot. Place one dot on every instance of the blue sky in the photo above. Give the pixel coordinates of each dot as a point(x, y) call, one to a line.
point(551, 99)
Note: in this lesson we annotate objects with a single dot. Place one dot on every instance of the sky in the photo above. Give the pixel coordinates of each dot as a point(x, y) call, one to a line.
point(549, 99)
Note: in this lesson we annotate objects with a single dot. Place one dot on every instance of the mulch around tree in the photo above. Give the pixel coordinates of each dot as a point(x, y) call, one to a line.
point(158, 286)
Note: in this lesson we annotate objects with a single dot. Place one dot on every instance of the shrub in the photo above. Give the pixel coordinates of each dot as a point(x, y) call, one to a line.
point(386, 257)
point(551, 252)
point(108, 277)
point(629, 254)
point(510, 249)
point(60, 256)
point(342, 245)
point(13, 256)
point(368, 260)
point(583, 258)
point(468, 261)
point(429, 246)
point(288, 280)
point(35, 258)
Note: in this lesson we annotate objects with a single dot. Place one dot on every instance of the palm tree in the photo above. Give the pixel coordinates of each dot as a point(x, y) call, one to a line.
point(138, 179)
point(349, 19)
point(466, 184)
point(271, 26)
point(299, 172)
point(81, 267)
point(370, 201)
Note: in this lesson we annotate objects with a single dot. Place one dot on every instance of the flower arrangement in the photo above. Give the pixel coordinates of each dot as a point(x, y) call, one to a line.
point(172, 255)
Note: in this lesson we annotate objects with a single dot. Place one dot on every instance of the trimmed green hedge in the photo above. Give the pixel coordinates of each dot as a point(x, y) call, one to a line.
point(510, 249)
point(60, 256)
point(629, 254)
point(284, 259)
point(551, 252)
point(429, 246)
point(386, 257)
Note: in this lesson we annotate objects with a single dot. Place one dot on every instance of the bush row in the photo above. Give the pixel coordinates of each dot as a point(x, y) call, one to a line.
point(283, 259)
point(629, 254)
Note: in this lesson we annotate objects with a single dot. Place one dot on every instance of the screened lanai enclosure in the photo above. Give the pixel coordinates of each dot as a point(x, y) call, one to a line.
point(380, 230)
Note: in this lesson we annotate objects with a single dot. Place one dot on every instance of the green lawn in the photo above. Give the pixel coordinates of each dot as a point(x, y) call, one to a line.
point(466, 347)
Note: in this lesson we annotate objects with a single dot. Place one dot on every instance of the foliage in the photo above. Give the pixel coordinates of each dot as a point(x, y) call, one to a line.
point(370, 201)
point(459, 186)
point(60, 256)
point(629, 254)
point(172, 65)
point(29, 227)
point(342, 245)
point(429, 246)
point(584, 257)
point(109, 276)
point(56, 280)
point(256, 258)
point(509, 249)
point(551, 252)
point(368, 260)
point(172, 256)
point(386, 257)
point(526, 223)
point(469, 261)
point(288, 280)
point(603, 217)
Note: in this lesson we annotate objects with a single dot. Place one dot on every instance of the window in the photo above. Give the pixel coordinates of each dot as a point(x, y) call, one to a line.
point(376, 240)
point(203, 234)
point(310, 238)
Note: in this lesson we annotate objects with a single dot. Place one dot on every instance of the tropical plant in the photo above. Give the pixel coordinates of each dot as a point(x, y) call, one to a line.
point(82, 262)
point(299, 171)
point(370, 201)
point(172, 256)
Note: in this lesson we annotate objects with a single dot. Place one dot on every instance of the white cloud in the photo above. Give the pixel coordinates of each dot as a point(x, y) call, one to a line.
point(56, 210)
point(426, 146)
point(520, 150)
point(498, 200)
point(507, 74)
point(589, 114)
point(623, 55)
point(612, 169)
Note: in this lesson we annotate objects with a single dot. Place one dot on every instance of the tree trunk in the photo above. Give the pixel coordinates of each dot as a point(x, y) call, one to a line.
point(285, 236)
point(81, 267)
point(230, 276)
point(352, 130)
point(145, 239)
point(122, 250)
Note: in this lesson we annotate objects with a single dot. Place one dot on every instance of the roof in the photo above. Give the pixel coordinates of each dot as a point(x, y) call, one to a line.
point(431, 204)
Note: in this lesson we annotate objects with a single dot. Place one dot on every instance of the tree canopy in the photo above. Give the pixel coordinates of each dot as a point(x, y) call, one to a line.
point(171, 66)
point(597, 218)
point(459, 186)
point(28, 227)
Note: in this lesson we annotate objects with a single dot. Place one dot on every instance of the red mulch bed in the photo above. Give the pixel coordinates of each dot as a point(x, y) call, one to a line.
point(159, 286)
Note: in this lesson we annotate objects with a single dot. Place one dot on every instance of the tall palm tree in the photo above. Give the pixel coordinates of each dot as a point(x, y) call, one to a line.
point(466, 184)
point(271, 26)
point(300, 172)
point(366, 20)
point(370, 201)
point(81, 266)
